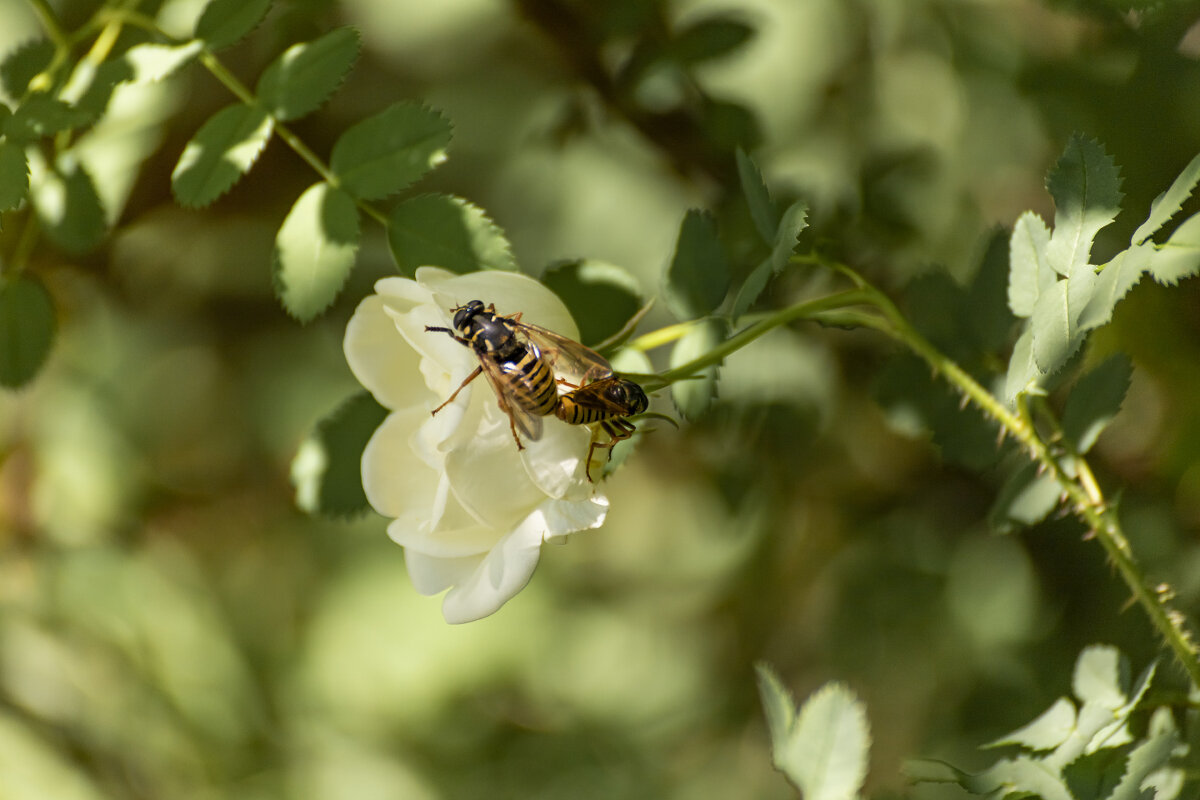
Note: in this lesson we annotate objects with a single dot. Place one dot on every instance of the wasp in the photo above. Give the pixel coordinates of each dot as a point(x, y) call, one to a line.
point(520, 359)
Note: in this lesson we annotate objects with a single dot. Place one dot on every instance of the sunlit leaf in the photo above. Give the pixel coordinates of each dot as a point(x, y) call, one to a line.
point(795, 220)
point(708, 39)
point(446, 231)
point(1046, 732)
point(385, 153)
point(1094, 401)
point(326, 470)
point(758, 197)
point(315, 249)
point(1022, 373)
point(154, 62)
point(1086, 187)
point(1101, 677)
point(694, 395)
point(601, 297)
point(23, 63)
point(1030, 275)
point(14, 175)
point(1167, 204)
point(1057, 333)
point(225, 22)
point(27, 326)
point(1114, 282)
point(1179, 256)
point(1147, 757)
point(220, 153)
point(67, 204)
point(300, 80)
point(699, 273)
point(823, 749)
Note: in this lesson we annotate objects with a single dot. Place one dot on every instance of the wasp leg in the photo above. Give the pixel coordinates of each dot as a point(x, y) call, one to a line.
point(618, 430)
point(450, 399)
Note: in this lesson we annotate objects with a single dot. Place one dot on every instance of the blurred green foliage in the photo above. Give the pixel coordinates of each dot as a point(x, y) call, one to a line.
point(172, 626)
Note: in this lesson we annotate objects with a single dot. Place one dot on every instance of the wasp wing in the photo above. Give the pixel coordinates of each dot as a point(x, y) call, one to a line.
point(567, 355)
point(530, 425)
point(594, 396)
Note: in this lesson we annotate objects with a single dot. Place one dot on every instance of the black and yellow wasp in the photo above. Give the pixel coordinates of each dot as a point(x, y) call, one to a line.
point(520, 360)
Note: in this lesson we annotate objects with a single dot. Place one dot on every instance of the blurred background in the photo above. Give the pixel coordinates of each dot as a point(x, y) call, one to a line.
point(171, 626)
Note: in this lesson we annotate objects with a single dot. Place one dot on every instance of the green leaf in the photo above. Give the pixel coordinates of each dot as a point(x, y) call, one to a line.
point(988, 318)
point(694, 395)
point(1019, 777)
point(699, 274)
point(752, 287)
point(66, 202)
point(446, 231)
point(1179, 256)
point(1057, 333)
point(24, 63)
point(220, 153)
point(1023, 374)
point(1094, 401)
point(385, 153)
point(1030, 276)
point(708, 39)
point(1086, 187)
point(1026, 498)
point(27, 326)
point(315, 250)
point(225, 22)
point(154, 62)
point(41, 115)
point(758, 197)
point(1167, 204)
point(1046, 732)
point(822, 750)
point(601, 297)
point(300, 80)
point(1114, 282)
point(14, 175)
point(326, 470)
point(1152, 754)
point(795, 220)
point(1101, 677)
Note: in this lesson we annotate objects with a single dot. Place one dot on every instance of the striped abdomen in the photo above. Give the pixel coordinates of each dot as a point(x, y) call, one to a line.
point(573, 413)
point(532, 382)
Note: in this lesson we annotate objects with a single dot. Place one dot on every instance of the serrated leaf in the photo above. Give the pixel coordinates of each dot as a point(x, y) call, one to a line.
point(1046, 732)
point(795, 220)
point(220, 153)
point(66, 202)
point(225, 22)
point(694, 395)
point(1026, 498)
point(1057, 333)
point(1179, 256)
point(326, 470)
point(601, 297)
point(777, 702)
point(699, 274)
point(1020, 777)
point(446, 231)
point(14, 175)
point(752, 288)
point(1167, 204)
point(1022, 374)
point(1094, 401)
point(23, 63)
point(1029, 275)
point(41, 115)
point(988, 318)
point(27, 326)
point(1149, 756)
point(758, 197)
point(825, 751)
point(1113, 283)
point(1086, 187)
point(385, 153)
point(708, 39)
point(303, 77)
point(1101, 677)
point(1094, 775)
point(154, 62)
point(315, 250)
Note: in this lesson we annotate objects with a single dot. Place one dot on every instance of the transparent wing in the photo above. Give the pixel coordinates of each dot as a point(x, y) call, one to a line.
point(567, 355)
point(594, 396)
point(529, 425)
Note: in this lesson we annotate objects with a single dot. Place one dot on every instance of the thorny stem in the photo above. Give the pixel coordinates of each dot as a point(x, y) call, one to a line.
point(1070, 470)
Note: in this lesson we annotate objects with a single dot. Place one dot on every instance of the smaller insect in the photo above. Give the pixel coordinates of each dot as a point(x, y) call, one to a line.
point(605, 402)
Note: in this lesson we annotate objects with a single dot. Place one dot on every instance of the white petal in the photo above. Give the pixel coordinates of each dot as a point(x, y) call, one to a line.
point(555, 462)
point(380, 358)
point(396, 481)
point(561, 517)
point(499, 576)
point(487, 476)
point(432, 575)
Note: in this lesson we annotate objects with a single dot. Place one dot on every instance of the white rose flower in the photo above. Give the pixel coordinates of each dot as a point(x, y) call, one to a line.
point(470, 509)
